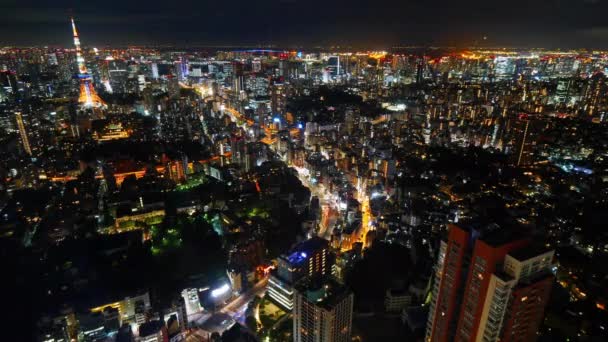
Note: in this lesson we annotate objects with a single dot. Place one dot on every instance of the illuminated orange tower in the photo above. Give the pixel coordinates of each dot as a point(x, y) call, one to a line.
point(88, 97)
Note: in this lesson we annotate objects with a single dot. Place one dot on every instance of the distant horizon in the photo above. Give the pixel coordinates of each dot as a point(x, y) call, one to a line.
point(282, 48)
point(565, 24)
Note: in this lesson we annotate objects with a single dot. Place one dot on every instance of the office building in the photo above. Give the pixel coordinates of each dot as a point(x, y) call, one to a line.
point(191, 301)
point(178, 169)
point(420, 71)
point(308, 259)
point(256, 65)
point(181, 69)
point(484, 278)
point(155, 74)
point(333, 65)
point(323, 311)
point(130, 309)
point(395, 300)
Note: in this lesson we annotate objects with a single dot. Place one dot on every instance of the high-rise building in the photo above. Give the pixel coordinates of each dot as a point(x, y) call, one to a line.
point(524, 138)
point(238, 79)
point(25, 141)
point(238, 149)
point(594, 93)
point(278, 99)
point(256, 65)
point(283, 68)
point(155, 71)
point(308, 259)
point(333, 65)
point(52, 59)
point(323, 311)
point(483, 280)
point(257, 86)
point(519, 295)
point(182, 70)
point(88, 96)
point(420, 71)
point(562, 93)
point(178, 169)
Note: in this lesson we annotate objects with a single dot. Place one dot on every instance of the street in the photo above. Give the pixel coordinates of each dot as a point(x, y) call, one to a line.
point(236, 308)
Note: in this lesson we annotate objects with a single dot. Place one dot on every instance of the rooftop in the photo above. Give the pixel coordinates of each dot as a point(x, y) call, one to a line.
point(323, 292)
point(529, 252)
point(492, 233)
point(150, 328)
point(303, 250)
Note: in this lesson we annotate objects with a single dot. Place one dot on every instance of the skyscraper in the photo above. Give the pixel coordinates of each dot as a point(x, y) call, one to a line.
point(450, 266)
point(519, 294)
point(333, 64)
point(25, 141)
point(484, 278)
point(238, 79)
point(155, 71)
point(88, 96)
point(323, 311)
point(278, 99)
point(420, 71)
point(524, 138)
point(182, 70)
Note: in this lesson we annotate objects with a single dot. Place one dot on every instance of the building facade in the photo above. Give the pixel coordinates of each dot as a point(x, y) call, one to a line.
point(323, 311)
point(308, 259)
point(488, 286)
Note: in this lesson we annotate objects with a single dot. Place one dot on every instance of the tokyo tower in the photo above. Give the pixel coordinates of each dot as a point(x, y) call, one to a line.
point(88, 97)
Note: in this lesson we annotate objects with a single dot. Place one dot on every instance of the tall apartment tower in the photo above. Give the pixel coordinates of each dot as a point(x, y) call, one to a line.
point(519, 295)
point(323, 311)
point(489, 285)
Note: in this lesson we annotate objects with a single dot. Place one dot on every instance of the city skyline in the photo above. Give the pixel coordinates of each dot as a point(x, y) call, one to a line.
point(229, 194)
point(290, 23)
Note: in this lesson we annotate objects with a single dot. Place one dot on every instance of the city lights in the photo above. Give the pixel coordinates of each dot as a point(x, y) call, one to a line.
point(159, 188)
point(222, 290)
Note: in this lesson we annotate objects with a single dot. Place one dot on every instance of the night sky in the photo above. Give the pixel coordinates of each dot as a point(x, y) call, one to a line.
point(360, 23)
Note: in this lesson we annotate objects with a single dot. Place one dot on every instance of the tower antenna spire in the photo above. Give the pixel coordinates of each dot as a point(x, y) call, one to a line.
point(88, 96)
point(73, 26)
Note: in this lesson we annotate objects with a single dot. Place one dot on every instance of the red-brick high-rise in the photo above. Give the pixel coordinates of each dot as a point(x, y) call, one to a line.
point(489, 285)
